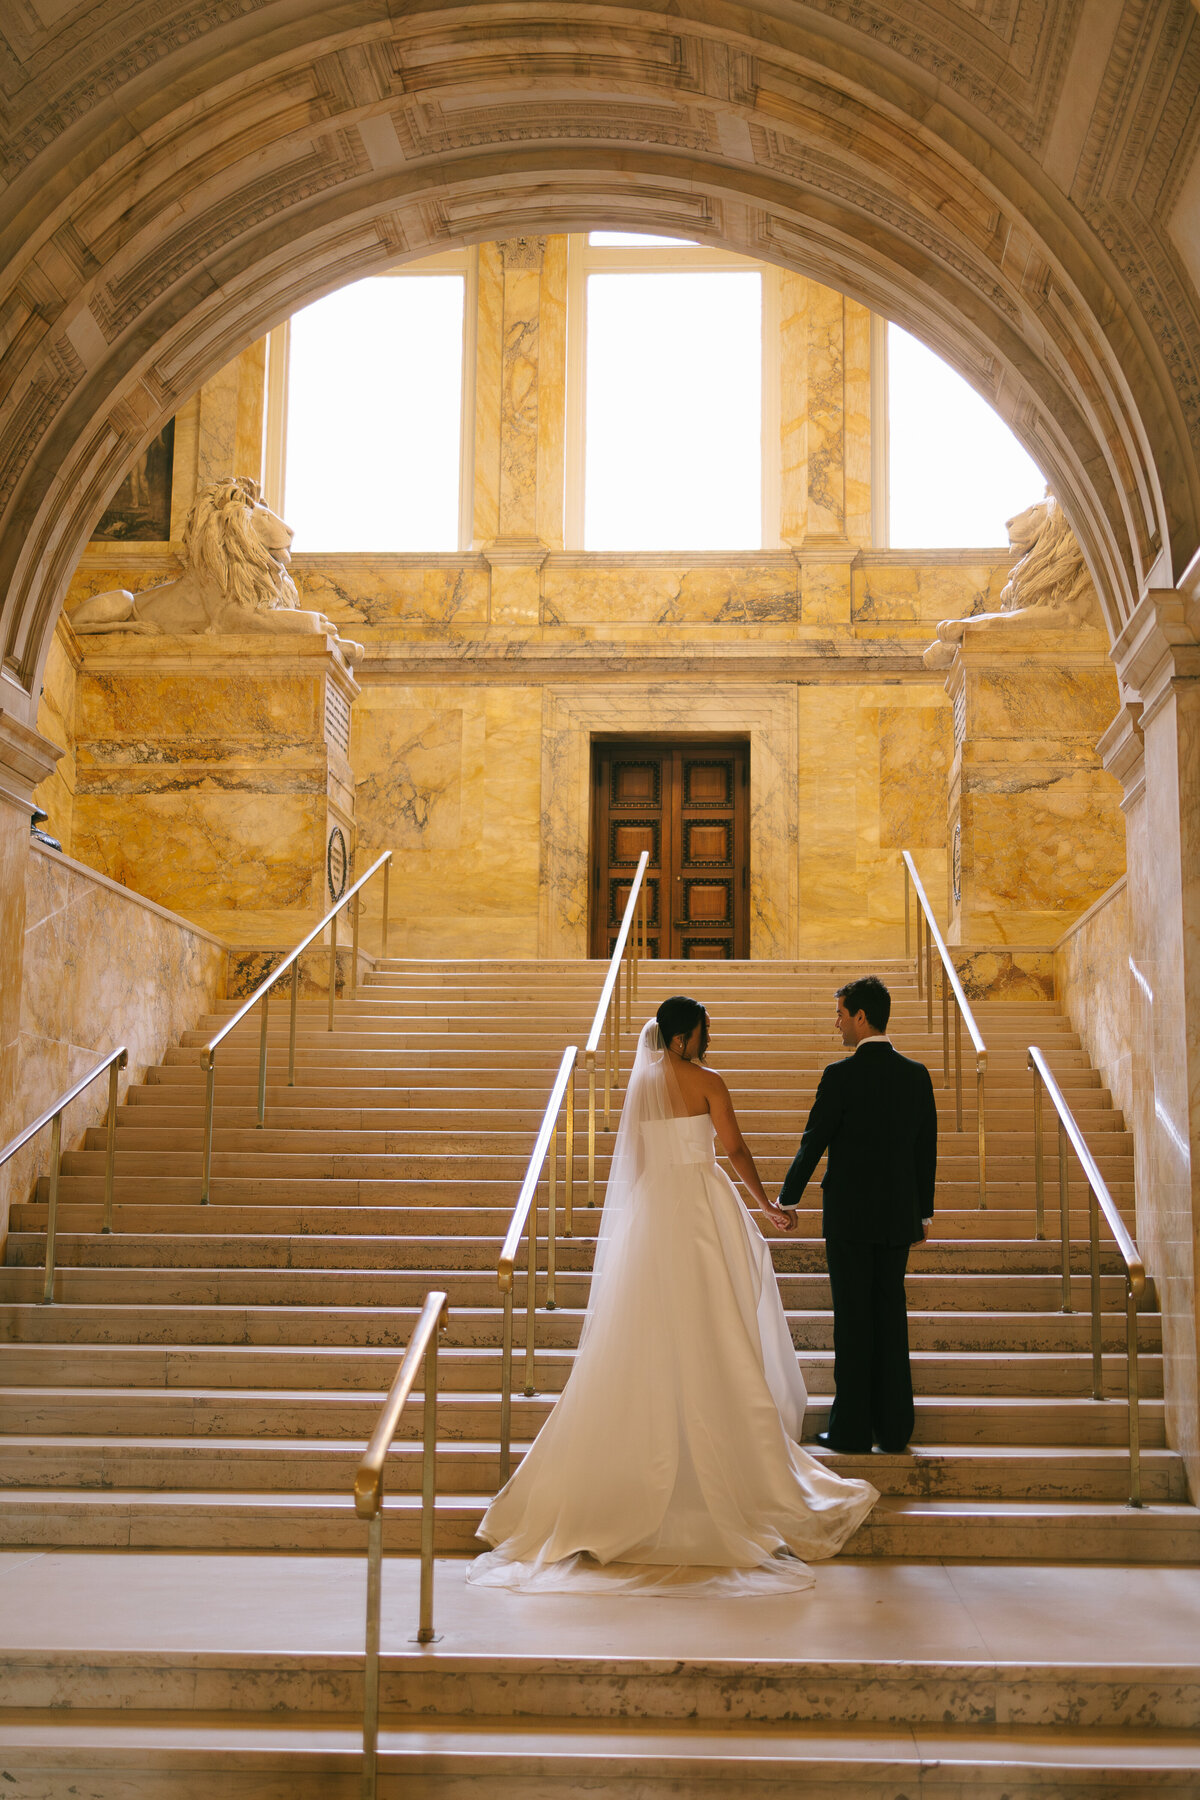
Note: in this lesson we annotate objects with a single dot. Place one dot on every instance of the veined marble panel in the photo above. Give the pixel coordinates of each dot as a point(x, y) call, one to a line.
point(897, 587)
point(570, 717)
point(56, 721)
point(489, 333)
point(101, 967)
point(1092, 978)
point(386, 591)
point(449, 776)
point(871, 771)
point(742, 592)
point(552, 393)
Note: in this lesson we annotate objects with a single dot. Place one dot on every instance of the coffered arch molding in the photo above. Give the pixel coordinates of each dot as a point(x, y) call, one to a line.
point(155, 261)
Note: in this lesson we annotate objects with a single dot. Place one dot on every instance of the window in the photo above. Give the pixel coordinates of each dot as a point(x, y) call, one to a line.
point(956, 472)
point(374, 439)
point(666, 425)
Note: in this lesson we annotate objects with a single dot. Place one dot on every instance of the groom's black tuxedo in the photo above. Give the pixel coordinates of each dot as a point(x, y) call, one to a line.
point(875, 1114)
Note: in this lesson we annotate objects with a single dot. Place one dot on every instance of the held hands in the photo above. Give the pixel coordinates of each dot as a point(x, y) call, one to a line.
point(780, 1218)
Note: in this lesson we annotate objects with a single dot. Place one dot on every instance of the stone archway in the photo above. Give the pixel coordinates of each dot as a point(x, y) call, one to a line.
point(173, 194)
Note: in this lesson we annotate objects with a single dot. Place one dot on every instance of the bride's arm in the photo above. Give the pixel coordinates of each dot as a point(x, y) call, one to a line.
point(736, 1148)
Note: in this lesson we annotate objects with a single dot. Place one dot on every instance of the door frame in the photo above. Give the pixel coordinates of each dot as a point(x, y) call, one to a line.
point(600, 740)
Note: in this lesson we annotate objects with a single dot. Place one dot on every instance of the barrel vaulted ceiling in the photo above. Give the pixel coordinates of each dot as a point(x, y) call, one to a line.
point(1017, 181)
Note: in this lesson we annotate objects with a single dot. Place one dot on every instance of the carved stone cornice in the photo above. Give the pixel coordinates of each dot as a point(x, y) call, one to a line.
point(1122, 750)
point(515, 553)
point(26, 758)
point(1157, 648)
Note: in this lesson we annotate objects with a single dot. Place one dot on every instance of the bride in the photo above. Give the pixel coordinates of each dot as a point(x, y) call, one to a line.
point(673, 1457)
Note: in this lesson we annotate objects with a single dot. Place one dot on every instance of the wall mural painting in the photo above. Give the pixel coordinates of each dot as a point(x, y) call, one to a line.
point(141, 507)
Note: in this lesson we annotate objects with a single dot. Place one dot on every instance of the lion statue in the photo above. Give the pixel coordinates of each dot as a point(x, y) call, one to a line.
point(236, 553)
point(1049, 583)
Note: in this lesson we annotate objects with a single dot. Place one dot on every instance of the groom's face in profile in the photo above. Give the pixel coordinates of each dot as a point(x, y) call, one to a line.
point(853, 1026)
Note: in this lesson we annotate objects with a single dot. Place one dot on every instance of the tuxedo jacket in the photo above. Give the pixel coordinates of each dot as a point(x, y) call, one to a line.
point(875, 1114)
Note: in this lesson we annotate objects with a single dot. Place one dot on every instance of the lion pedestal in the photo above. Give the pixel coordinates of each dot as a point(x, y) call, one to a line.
point(1036, 831)
point(211, 771)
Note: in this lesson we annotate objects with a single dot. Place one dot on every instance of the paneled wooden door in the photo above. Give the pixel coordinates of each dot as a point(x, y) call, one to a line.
point(687, 804)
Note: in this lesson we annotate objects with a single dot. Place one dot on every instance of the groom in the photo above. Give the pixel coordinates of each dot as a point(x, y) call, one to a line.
point(875, 1114)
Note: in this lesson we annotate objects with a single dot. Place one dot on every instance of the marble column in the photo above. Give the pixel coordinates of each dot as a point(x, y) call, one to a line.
point(220, 430)
point(520, 505)
point(26, 759)
point(825, 426)
point(1154, 747)
point(1034, 821)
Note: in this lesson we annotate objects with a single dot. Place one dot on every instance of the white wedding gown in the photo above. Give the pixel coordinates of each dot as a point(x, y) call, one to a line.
point(673, 1458)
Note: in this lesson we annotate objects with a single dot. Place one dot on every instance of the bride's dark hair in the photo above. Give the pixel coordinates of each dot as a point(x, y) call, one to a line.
point(679, 1015)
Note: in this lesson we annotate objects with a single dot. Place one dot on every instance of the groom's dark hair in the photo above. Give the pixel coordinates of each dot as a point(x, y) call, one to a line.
point(868, 995)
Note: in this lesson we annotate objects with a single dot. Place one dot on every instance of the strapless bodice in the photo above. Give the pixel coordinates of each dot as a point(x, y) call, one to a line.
point(675, 1141)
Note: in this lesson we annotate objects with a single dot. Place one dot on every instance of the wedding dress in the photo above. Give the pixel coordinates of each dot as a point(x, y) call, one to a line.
point(673, 1458)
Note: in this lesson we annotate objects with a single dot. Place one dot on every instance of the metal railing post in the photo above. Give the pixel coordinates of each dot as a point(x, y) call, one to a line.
point(1039, 1172)
point(591, 1128)
point(531, 1301)
point(920, 973)
point(928, 980)
point(981, 1127)
point(1133, 1394)
point(958, 1124)
point(1064, 1216)
point(425, 1631)
point(1097, 1324)
point(608, 1065)
point(332, 966)
point(209, 1100)
point(907, 915)
point(52, 1209)
point(110, 1150)
point(262, 1061)
point(569, 1159)
point(355, 907)
point(551, 1214)
point(945, 1030)
point(292, 1023)
point(371, 1671)
point(506, 1357)
point(387, 874)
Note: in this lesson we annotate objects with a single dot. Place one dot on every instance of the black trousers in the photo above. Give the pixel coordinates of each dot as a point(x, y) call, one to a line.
point(871, 1372)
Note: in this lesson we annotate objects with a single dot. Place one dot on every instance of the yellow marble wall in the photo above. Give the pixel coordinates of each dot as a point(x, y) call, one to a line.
point(101, 967)
point(56, 721)
point(872, 776)
point(483, 668)
point(207, 775)
point(449, 777)
point(1041, 832)
point(1092, 983)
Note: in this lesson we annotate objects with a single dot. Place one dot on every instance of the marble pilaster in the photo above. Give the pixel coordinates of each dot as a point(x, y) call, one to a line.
point(219, 431)
point(825, 416)
point(1156, 750)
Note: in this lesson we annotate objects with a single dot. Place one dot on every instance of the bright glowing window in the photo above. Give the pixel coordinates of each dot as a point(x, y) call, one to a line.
point(956, 472)
point(670, 363)
point(374, 416)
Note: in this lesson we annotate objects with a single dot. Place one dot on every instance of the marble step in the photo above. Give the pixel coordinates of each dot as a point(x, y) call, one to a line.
point(239, 1286)
point(123, 1322)
point(620, 1681)
point(1008, 1424)
point(285, 1250)
point(1015, 1530)
point(525, 1050)
point(290, 1467)
point(451, 1220)
point(1024, 1374)
point(316, 1757)
point(957, 1192)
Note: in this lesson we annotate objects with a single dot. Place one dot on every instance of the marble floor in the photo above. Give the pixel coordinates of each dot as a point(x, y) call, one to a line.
point(859, 1610)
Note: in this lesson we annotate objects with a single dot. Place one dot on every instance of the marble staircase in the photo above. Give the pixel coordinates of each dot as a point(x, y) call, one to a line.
point(208, 1375)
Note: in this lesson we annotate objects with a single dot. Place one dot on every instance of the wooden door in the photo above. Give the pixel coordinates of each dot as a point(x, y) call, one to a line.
point(686, 804)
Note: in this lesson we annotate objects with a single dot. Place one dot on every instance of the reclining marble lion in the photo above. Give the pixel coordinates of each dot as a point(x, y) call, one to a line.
point(1050, 583)
point(236, 554)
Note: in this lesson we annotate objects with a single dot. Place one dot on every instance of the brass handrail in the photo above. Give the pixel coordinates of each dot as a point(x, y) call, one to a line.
point(631, 947)
point(562, 1095)
point(368, 1504)
point(263, 992)
point(114, 1062)
point(1099, 1201)
point(951, 985)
